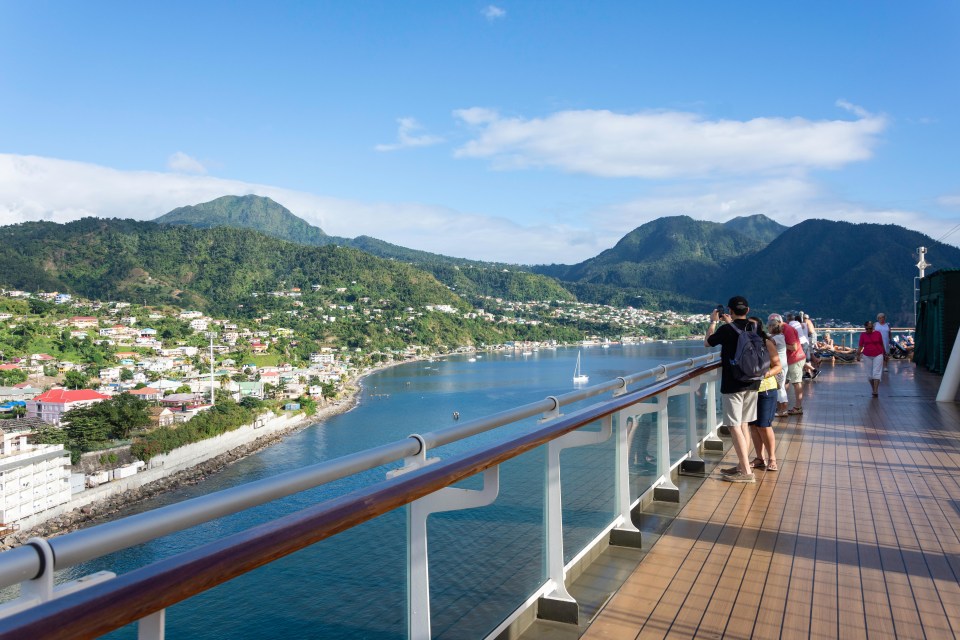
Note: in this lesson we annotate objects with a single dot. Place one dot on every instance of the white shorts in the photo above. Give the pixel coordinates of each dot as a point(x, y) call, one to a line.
point(739, 408)
point(874, 367)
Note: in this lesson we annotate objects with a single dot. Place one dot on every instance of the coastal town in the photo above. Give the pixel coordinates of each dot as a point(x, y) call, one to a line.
point(62, 355)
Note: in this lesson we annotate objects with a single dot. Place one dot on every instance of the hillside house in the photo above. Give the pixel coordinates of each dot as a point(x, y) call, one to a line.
point(51, 405)
point(150, 394)
point(84, 322)
point(160, 417)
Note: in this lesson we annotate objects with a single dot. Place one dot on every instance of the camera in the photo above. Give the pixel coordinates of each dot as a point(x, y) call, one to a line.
point(720, 309)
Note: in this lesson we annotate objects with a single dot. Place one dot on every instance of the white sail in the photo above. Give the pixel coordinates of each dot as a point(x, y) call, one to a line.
point(578, 376)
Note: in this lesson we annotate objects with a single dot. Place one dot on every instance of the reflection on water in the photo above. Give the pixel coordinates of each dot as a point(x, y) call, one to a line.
point(483, 562)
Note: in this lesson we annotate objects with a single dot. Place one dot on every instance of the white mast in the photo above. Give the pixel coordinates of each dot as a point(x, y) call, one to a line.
point(922, 266)
point(212, 336)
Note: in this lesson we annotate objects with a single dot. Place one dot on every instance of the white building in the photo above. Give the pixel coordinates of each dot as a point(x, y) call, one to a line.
point(33, 478)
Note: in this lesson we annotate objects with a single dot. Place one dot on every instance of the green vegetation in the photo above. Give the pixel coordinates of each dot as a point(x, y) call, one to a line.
point(225, 416)
point(247, 212)
point(97, 426)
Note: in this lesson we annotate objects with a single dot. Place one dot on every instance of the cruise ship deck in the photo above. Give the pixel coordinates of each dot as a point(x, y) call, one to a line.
point(857, 535)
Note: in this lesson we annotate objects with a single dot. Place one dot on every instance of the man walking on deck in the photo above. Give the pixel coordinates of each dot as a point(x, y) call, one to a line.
point(796, 359)
point(739, 398)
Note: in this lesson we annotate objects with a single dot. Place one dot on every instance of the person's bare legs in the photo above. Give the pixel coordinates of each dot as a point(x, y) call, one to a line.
point(757, 441)
point(741, 445)
point(798, 395)
point(769, 441)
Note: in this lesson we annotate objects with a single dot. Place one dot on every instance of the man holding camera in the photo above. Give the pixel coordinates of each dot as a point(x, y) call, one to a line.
point(739, 398)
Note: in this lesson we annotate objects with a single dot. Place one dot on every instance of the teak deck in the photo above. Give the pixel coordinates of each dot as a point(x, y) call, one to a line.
point(857, 535)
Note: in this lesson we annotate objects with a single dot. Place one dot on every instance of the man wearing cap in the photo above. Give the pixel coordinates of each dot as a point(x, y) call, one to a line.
point(739, 398)
point(796, 359)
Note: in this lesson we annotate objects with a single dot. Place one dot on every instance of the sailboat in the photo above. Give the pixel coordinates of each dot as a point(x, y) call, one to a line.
point(578, 376)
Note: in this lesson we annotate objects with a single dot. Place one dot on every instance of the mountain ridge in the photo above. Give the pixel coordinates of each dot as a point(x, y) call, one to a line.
point(829, 269)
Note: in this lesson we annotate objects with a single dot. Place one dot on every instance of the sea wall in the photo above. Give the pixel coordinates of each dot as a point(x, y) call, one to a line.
point(199, 458)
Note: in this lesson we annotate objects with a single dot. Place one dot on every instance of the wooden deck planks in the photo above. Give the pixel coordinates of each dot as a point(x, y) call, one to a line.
point(857, 535)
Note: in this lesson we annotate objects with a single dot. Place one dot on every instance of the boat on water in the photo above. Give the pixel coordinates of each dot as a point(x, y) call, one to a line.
point(578, 376)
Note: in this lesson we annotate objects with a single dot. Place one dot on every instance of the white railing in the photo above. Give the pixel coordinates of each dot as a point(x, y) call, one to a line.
point(96, 604)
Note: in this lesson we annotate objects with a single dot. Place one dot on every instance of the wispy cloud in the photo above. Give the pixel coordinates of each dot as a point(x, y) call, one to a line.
point(492, 12)
point(406, 138)
point(182, 163)
point(668, 144)
point(37, 188)
point(788, 200)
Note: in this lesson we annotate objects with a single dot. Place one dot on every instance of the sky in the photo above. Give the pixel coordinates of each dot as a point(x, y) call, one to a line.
point(524, 132)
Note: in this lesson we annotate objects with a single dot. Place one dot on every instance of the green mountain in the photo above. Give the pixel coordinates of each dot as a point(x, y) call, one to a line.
point(247, 212)
point(215, 270)
point(759, 227)
point(829, 269)
point(469, 278)
point(676, 255)
point(836, 270)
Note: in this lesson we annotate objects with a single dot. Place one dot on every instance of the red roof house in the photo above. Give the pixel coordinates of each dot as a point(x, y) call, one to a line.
point(51, 405)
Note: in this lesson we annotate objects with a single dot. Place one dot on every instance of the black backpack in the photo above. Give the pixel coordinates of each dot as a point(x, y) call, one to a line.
point(751, 359)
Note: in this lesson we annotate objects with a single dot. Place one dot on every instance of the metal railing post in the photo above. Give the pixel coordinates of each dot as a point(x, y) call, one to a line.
point(712, 442)
point(625, 534)
point(559, 605)
point(664, 490)
point(693, 463)
point(418, 565)
point(153, 627)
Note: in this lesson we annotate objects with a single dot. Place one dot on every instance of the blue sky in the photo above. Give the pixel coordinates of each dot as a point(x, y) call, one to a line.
point(526, 132)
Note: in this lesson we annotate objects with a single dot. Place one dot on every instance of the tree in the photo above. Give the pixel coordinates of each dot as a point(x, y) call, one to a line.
point(85, 428)
point(75, 379)
point(126, 374)
point(124, 413)
point(12, 377)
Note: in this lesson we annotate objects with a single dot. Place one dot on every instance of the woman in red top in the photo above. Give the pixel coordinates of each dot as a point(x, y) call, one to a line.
point(871, 348)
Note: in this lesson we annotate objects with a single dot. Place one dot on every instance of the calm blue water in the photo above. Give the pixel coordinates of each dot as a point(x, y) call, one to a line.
point(483, 562)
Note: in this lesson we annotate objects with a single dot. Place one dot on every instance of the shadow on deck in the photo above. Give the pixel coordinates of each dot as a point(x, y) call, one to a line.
point(857, 535)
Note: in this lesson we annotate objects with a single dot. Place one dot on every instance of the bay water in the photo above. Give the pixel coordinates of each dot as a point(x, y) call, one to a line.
point(483, 562)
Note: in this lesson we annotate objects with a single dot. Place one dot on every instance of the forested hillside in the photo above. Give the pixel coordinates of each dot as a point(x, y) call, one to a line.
point(210, 269)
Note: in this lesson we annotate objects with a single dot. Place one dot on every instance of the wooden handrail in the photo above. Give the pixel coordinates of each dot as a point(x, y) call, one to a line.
point(100, 609)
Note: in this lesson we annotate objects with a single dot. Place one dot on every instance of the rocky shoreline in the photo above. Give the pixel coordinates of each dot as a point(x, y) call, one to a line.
point(102, 510)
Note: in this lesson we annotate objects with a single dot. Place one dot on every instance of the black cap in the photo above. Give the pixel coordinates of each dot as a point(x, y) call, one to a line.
point(738, 304)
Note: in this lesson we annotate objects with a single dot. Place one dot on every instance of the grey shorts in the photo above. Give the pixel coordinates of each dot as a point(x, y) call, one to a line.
point(739, 408)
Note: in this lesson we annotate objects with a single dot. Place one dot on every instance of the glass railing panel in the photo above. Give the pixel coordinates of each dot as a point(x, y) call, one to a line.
point(484, 562)
point(677, 408)
point(589, 499)
point(351, 586)
point(643, 454)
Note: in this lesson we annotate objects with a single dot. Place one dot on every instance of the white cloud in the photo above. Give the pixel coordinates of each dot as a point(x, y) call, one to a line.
point(36, 188)
point(405, 137)
point(493, 12)
point(788, 200)
point(949, 201)
point(182, 163)
point(669, 144)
